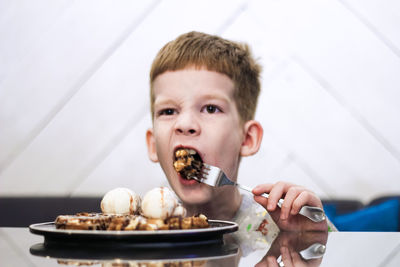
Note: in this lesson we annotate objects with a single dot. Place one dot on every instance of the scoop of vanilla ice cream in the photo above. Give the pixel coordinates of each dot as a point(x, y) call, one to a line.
point(120, 201)
point(159, 203)
point(179, 211)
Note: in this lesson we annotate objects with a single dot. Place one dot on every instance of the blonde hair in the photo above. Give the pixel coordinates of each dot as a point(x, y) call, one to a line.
point(214, 53)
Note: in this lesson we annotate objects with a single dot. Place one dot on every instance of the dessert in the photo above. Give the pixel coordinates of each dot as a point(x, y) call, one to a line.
point(161, 203)
point(101, 221)
point(120, 201)
point(123, 210)
point(194, 222)
point(187, 163)
point(83, 221)
point(133, 222)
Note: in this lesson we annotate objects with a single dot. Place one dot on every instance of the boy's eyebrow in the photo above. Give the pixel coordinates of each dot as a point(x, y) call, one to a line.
point(164, 101)
point(167, 100)
point(215, 96)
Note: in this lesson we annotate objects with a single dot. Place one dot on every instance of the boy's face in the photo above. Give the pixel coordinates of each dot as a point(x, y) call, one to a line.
point(195, 109)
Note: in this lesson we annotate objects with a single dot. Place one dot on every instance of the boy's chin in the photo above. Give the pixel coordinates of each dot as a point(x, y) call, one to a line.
point(196, 194)
point(195, 200)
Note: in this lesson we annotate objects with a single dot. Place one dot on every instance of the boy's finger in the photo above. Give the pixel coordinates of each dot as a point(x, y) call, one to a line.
point(271, 261)
point(304, 198)
point(275, 194)
point(291, 195)
point(297, 261)
point(262, 188)
point(286, 257)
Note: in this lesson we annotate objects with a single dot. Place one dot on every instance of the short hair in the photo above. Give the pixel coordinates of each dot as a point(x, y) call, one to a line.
point(201, 50)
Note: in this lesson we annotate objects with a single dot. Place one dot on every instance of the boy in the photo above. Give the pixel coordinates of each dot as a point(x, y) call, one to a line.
point(204, 92)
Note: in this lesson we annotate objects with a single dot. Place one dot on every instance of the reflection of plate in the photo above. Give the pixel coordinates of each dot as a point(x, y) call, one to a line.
point(214, 251)
point(160, 238)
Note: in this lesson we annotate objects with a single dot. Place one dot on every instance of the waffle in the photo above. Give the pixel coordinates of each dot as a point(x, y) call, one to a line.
point(83, 221)
point(99, 221)
point(193, 222)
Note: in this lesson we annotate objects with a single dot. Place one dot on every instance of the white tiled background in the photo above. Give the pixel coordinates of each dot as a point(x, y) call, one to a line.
point(74, 91)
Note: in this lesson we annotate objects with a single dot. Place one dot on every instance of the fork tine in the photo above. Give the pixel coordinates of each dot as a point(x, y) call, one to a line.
point(204, 175)
point(206, 168)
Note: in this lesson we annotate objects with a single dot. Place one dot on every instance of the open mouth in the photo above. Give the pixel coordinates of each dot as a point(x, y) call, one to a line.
point(187, 163)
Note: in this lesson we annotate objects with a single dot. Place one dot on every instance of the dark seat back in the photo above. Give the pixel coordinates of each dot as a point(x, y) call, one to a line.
point(23, 211)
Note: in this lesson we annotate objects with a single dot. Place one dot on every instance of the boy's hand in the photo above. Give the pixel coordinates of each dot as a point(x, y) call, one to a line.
point(288, 218)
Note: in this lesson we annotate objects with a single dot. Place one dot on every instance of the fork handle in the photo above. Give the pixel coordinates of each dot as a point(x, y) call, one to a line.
point(266, 195)
point(313, 213)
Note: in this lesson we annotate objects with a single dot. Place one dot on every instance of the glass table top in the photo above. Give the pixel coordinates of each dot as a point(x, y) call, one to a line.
point(20, 247)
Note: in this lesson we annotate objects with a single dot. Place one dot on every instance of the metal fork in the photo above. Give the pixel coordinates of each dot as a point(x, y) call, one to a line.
point(215, 177)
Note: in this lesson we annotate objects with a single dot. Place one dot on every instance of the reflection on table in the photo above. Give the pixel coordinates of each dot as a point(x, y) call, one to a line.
point(296, 249)
point(217, 254)
point(288, 249)
point(19, 247)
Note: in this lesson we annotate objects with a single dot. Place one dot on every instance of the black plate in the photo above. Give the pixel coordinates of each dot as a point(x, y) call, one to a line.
point(159, 238)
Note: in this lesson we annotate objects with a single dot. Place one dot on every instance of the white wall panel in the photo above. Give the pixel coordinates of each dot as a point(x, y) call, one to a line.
point(350, 58)
point(324, 134)
point(22, 26)
point(381, 17)
point(127, 165)
point(62, 60)
point(79, 136)
point(74, 92)
point(273, 164)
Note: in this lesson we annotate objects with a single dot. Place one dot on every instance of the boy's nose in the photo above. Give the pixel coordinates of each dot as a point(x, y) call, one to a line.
point(187, 125)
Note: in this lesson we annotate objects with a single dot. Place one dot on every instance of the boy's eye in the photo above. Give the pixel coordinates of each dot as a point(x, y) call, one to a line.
point(211, 109)
point(167, 111)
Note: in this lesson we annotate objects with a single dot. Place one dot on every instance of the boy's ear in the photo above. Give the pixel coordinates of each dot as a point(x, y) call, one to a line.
point(253, 133)
point(151, 145)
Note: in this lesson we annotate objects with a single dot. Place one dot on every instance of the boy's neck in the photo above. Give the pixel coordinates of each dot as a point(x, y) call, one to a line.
point(222, 207)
